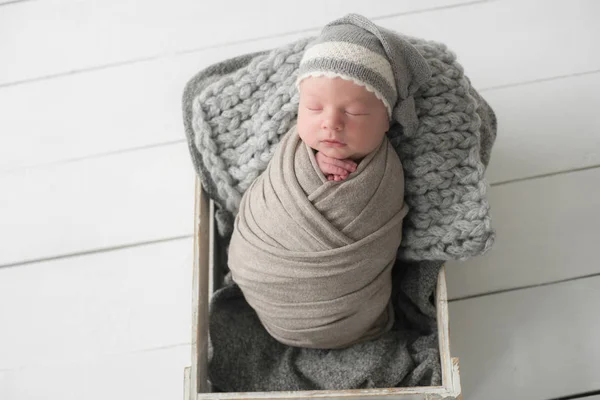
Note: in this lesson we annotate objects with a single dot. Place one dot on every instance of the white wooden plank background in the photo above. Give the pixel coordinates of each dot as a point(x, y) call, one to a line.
point(95, 305)
point(92, 157)
point(539, 343)
point(49, 136)
point(122, 31)
point(154, 374)
point(96, 203)
point(113, 32)
point(554, 127)
point(123, 108)
point(548, 229)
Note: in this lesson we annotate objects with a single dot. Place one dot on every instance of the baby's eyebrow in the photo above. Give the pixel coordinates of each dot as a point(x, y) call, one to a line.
point(311, 94)
point(360, 101)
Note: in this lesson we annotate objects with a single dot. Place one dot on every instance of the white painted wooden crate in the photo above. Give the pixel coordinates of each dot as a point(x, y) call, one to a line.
point(196, 382)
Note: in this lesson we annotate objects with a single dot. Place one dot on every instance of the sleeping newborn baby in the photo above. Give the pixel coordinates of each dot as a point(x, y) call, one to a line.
point(316, 235)
point(342, 121)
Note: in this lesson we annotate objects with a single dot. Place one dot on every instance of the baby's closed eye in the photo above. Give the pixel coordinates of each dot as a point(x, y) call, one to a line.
point(357, 108)
point(355, 112)
point(313, 105)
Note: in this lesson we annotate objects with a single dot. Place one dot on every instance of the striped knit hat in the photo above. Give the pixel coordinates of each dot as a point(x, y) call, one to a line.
point(383, 61)
point(352, 53)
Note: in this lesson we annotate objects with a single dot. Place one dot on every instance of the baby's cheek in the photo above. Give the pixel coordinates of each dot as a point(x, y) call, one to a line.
point(305, 129)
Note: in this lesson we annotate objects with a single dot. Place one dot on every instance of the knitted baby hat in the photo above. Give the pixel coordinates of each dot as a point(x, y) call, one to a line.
point(352, 53)
point(385, 63)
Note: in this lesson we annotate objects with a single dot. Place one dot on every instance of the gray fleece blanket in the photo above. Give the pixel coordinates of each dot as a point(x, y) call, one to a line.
point(235, 113)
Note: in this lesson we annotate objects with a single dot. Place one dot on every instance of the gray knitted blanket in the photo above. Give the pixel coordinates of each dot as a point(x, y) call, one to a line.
point(235, 113)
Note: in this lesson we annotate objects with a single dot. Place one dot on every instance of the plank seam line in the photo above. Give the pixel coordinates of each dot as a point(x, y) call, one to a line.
point(541, 176)
point(540, 80)
point(96, 251)
point(92, 156)
point(224, 44)
point(578, 395)
point(525, 287)
point(103, 356)
point(7, 3)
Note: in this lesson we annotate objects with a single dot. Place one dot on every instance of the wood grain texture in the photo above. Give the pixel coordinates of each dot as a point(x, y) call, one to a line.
point(80, 35)
point(441, 303)
point(201, 294)
point(96, 305)
point(547, 230)
point(533, 344)
point(147, 375)
point(187, 394)
point(96, 203)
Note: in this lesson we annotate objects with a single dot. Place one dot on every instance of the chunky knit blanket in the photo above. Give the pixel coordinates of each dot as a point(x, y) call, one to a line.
point(235, 123)
point(235, 114)
point(314, 257)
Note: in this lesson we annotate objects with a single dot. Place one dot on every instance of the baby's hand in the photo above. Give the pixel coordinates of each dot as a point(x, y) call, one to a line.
point(334, 169)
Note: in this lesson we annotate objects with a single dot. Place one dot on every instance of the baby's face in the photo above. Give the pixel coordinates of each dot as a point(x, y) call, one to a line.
point(340, 118)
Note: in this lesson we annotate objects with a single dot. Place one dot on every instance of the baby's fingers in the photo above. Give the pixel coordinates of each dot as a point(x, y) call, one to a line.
point(330, 169)
point(336, 178)
point(333, 170)
point(346, 165)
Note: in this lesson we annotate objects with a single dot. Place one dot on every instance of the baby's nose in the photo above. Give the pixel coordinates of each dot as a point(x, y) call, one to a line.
point(332, 121)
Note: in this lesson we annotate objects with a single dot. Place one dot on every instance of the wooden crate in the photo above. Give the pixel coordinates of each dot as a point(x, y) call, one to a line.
point(196, 383)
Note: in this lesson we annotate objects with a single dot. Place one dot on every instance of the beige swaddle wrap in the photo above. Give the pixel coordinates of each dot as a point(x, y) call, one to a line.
point(314, 257)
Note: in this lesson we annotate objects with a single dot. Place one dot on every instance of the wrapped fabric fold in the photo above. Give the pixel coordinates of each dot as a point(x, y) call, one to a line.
point(314, 257)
